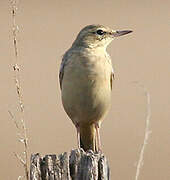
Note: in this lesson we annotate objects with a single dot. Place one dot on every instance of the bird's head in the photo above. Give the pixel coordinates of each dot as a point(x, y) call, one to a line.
point(93, 36)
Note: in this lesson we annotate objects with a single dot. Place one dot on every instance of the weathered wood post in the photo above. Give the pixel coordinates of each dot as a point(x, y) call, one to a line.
point(74, 165)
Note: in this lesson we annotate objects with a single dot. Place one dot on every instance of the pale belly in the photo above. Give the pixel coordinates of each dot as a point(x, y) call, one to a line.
point(86, 94)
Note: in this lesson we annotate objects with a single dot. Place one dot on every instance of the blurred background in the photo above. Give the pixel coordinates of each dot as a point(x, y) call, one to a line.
point(47, 30)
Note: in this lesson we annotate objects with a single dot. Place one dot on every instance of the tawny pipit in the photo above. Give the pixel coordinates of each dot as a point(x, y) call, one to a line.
point(86, 77)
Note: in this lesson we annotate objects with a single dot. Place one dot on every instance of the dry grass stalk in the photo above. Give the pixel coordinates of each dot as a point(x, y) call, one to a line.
point(21, 127)
point(147, 132)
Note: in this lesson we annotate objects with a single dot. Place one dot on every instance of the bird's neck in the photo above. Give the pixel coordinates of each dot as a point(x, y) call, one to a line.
point(90, 49)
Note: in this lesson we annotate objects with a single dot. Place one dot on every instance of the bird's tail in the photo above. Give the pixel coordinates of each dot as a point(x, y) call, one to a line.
point(88, 137)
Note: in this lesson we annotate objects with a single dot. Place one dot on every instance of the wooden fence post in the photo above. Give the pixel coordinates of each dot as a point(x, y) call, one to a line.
point(75, 165)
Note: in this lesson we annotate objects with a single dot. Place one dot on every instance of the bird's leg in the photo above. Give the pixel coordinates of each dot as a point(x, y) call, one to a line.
point(98, 148)
point(78, 135)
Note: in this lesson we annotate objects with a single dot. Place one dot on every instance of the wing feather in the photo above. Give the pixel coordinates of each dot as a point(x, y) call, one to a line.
point(61, 73)
point(112, 77)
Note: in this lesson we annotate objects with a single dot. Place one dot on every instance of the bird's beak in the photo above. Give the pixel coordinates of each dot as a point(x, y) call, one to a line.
point(121, 33)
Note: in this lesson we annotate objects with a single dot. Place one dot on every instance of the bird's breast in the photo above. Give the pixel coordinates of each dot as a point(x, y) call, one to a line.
point(86, 88)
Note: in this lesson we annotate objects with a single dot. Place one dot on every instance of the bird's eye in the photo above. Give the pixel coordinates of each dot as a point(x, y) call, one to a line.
point(100, 32)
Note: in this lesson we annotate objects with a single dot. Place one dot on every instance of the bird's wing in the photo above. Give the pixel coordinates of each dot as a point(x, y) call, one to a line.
point(112, 77)
point(61, 73)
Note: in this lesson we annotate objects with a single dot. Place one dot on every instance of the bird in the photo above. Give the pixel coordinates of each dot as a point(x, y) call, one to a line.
point(86, 77)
